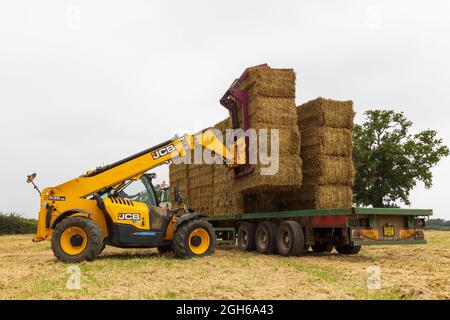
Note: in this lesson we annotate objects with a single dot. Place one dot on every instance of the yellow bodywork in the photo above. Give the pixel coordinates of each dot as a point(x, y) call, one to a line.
point(115, 209)
point(74, 197)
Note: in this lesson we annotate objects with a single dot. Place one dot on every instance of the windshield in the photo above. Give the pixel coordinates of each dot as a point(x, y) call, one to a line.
point(138, 190)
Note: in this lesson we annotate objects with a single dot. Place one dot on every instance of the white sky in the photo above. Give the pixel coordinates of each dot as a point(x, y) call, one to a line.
point(85, 83)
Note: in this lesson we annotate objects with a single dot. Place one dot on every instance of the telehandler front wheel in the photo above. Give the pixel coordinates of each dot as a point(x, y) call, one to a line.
point(195, 238)
point(77, 239)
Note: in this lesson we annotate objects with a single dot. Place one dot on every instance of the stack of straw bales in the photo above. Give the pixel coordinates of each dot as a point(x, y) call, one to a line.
point(213, 188)
point(207, 188)
point(271, 98)
point(326, 148)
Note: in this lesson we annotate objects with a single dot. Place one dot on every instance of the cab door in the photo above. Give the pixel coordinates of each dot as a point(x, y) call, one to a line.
point(141, 195)
point(129, 207)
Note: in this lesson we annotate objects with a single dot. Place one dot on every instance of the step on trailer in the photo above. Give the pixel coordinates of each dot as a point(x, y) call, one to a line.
point(290, 233)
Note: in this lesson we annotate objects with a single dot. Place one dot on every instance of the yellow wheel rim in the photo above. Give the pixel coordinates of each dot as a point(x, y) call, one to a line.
point(73, 240)
point(199, 241)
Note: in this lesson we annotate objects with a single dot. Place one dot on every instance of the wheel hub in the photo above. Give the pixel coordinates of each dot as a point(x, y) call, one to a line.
point(76, 240)
point(196, 241)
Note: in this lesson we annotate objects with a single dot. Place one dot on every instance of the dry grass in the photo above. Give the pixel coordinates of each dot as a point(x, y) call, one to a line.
point(29, 271)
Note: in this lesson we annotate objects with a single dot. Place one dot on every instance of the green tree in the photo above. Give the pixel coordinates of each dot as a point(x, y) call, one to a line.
point(389, 160)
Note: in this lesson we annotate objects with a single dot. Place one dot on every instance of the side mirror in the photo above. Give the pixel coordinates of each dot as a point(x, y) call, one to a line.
point(31, 177)
point(177, 194)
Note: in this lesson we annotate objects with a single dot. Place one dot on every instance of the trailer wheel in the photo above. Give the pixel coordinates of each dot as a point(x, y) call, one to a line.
point(77, 239)
point(347, 249)
point(322, 247)
point(265, 237)
point(246, 236)
point(194, 238)
point(290, 238)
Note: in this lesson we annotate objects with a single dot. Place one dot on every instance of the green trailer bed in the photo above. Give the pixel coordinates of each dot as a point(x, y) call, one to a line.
point(353, 227)
point(325, 212)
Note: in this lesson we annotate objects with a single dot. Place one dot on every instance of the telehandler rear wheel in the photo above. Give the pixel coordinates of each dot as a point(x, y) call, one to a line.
point(77, 239)
point(194, 238)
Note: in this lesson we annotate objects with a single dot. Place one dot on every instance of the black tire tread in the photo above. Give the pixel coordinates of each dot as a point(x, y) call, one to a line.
point(94, 243)
point(251, 229)
point(298, 242)
point(347, 249)
point(272, 229)
point(322, 247)
point(180, 239)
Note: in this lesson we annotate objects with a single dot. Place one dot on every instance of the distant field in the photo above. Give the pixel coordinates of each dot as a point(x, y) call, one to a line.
point(29, 271)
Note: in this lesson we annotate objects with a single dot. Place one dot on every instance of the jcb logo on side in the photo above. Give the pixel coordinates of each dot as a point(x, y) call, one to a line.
point(163, 151)
point(130, 216)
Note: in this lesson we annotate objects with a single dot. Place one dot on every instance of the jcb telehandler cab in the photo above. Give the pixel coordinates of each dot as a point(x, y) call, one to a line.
point(117, 205)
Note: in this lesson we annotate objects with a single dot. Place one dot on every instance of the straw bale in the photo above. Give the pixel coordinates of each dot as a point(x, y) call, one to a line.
point(275, 111)
point(313, 196)
point(326, 170)
point(326, 113)
point(289, 138)
point(326, 141)
point(288, 176)
point(270, 83)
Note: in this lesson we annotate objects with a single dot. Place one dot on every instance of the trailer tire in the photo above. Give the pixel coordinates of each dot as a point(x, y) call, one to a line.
point(322, 247)
point(290, 238)
point(265, 237)
point(77, 239)
point(194, 238)
point(246, 236)
point(347, 249)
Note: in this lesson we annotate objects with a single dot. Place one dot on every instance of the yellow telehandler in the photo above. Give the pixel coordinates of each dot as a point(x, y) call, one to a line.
point(116, 205)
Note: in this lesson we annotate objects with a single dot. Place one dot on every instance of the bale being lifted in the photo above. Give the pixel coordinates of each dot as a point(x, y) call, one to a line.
point(271, 105)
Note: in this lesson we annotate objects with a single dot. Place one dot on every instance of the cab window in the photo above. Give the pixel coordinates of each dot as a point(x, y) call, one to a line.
point(138, 191)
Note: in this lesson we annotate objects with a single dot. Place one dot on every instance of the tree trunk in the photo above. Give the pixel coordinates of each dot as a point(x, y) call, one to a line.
point(378, 203)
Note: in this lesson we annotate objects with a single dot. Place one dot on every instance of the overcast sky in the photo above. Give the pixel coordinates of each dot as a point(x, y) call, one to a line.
point(86, 83)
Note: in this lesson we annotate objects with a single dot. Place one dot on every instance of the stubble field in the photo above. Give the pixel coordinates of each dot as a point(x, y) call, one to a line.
point(29, 271)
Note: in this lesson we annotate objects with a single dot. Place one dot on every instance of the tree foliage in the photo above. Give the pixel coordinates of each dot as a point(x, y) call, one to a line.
point(438, 224)
point(13, 223)
point(389, 160)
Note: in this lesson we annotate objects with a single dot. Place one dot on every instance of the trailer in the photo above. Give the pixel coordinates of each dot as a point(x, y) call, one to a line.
point(291, 233)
